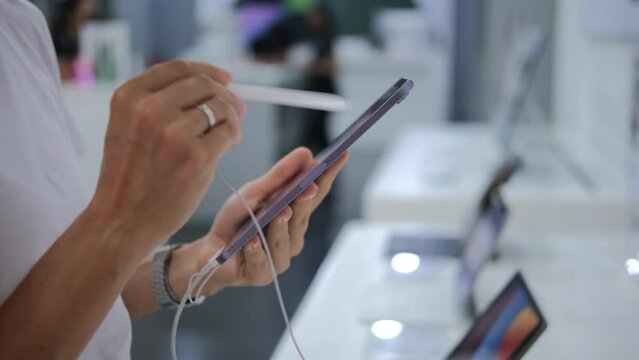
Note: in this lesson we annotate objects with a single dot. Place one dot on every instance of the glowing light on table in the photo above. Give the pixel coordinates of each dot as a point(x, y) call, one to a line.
point(405, 263)
point(387, 329)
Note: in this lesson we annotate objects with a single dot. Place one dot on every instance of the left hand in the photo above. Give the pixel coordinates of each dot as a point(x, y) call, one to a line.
point(285, 234)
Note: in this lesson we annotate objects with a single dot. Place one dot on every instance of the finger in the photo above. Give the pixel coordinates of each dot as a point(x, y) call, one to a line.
point(221, 137)
point(161, 75)
point(192, 91)
point(224, 92)
point(198, 120)
point(281, 173)
point(256, 268)
point(302, 208)
point(185, 95)
point(177, 139)
point(278, 237)
point(326, 180)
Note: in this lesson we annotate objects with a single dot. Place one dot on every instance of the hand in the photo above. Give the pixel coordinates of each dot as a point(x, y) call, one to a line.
point(285, 234)
point(159, 158)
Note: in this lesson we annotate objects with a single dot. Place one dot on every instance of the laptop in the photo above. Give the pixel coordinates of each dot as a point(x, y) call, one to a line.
point(448, 299)
point(428, 245)
point(507, 329)
point(528, 49)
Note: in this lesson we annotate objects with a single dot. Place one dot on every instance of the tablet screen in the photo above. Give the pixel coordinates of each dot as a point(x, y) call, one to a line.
point(506, 329)
point(480, 245)
point(322, 161)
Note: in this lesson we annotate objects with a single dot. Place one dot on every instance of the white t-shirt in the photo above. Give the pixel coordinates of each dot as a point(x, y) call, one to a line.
point(41, 187)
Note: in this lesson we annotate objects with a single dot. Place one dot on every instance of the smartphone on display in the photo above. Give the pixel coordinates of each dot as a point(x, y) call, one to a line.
point(321, 162)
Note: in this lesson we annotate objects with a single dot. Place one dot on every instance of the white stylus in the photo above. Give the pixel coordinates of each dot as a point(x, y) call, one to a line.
point(290, 97)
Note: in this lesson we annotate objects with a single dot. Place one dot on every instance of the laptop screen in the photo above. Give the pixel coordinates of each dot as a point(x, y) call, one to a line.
point(535, 43)
point(502, 174)
point(506, 329)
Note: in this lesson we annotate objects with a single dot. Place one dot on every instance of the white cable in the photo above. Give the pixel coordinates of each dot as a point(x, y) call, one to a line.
point(199, 280)
point(276, 282)
point(206, 272)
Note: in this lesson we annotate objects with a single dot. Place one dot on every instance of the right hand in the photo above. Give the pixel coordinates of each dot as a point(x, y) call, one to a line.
point(158, 161)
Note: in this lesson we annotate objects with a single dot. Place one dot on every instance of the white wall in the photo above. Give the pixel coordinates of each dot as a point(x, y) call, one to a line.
point(592, 91)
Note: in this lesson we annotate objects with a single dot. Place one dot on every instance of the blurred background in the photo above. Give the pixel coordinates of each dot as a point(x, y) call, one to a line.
point(555, 82)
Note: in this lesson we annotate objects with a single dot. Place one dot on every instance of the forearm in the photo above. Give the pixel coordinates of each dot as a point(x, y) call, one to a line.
point(58, 306)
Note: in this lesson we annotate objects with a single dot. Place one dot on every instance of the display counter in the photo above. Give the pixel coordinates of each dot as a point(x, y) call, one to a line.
point(579, 281)
point(437, 174)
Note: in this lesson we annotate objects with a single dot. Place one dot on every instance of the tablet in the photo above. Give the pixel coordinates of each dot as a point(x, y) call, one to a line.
point(506, 329)
point(322, 161)
point(433, 245)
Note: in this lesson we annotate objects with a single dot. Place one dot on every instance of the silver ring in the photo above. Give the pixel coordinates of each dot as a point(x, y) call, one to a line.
point(210, 116)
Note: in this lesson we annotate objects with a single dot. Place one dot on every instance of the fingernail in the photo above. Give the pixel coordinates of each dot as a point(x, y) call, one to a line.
point(286, 215)
point(254, 243)
point(309, 197)
point(229, 76)
point(286, 218)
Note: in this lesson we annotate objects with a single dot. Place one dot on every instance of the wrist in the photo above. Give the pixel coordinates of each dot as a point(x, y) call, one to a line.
point(180, 269)
point(188, 260)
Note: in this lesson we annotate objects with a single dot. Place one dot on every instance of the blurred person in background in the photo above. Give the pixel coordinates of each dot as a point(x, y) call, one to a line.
point(319, 76)
point(312, 26)
point(68, 18)
point(316, 27)
point(75, 268)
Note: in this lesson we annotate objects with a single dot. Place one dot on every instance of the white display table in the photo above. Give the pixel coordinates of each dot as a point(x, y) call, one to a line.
point(578, 281)
point(436, 175)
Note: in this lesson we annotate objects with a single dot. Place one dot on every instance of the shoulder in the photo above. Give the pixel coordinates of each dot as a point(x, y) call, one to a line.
point(24, 22)
point(22, 12)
